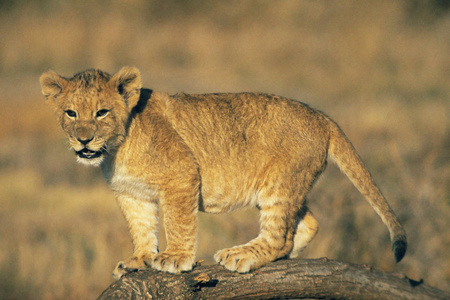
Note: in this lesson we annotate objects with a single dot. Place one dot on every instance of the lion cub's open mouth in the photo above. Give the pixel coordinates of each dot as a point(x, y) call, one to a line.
point(89, 154)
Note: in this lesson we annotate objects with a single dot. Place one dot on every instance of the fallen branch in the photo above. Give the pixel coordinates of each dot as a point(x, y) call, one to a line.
point(291, 279)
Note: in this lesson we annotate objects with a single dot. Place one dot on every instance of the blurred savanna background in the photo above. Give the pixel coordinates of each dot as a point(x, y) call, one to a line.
point(381, 69)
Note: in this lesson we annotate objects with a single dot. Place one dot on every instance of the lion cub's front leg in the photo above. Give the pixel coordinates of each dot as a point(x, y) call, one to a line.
point(142, 218)
point(180, 207)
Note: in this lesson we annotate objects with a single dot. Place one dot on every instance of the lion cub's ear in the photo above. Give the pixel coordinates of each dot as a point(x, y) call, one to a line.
point(127, 82)
point(52, 84)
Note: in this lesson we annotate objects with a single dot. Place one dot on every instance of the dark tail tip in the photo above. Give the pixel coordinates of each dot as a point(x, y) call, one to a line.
point(399, 247)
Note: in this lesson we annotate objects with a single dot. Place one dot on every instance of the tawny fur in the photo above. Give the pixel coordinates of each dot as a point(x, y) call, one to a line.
point(213, 153)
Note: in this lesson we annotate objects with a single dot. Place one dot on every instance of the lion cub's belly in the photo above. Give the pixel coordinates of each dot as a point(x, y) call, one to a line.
point(216, 196)
point(227, 197)
point(221, 203)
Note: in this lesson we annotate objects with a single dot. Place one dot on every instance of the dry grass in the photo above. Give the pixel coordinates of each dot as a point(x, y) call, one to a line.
point(379, 68)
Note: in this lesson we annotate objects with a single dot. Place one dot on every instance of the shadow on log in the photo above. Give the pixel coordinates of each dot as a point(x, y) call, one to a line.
point(283, 279)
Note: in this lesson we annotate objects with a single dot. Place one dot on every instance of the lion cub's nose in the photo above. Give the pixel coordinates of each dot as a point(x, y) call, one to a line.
point(85, 141)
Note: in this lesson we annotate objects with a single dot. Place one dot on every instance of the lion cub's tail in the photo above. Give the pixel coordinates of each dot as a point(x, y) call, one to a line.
point(344, 154)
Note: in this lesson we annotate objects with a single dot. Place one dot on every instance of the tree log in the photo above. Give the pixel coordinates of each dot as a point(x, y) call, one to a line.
point(283, 279)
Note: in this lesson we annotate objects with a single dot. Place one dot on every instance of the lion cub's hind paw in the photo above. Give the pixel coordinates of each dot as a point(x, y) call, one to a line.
point(238, 259)
point(173, 262)
point(133, 264)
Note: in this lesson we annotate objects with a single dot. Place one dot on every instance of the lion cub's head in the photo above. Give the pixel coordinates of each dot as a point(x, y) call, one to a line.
point(93, 108)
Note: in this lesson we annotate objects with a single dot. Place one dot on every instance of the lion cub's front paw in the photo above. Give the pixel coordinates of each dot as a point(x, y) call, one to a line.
point(239, 259)
point(131, 264)
point(173, 262)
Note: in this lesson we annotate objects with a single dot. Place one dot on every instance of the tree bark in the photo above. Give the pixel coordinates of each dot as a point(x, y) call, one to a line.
point(283, 279)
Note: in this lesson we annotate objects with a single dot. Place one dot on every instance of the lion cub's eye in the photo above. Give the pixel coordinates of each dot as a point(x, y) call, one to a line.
point(102, 113)
point(71, 113)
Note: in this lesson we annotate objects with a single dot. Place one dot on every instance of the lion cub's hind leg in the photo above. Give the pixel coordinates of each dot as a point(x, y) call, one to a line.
point(307, 227)
point(278, 221)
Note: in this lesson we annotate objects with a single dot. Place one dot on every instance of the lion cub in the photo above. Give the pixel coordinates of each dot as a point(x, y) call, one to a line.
point(213, 153)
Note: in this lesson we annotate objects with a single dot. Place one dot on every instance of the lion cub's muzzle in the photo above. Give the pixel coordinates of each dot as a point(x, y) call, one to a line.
point(89, 151)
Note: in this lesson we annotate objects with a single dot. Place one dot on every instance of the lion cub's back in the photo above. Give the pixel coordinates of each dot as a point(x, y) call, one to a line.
point(245, 120)
point(247, 128)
